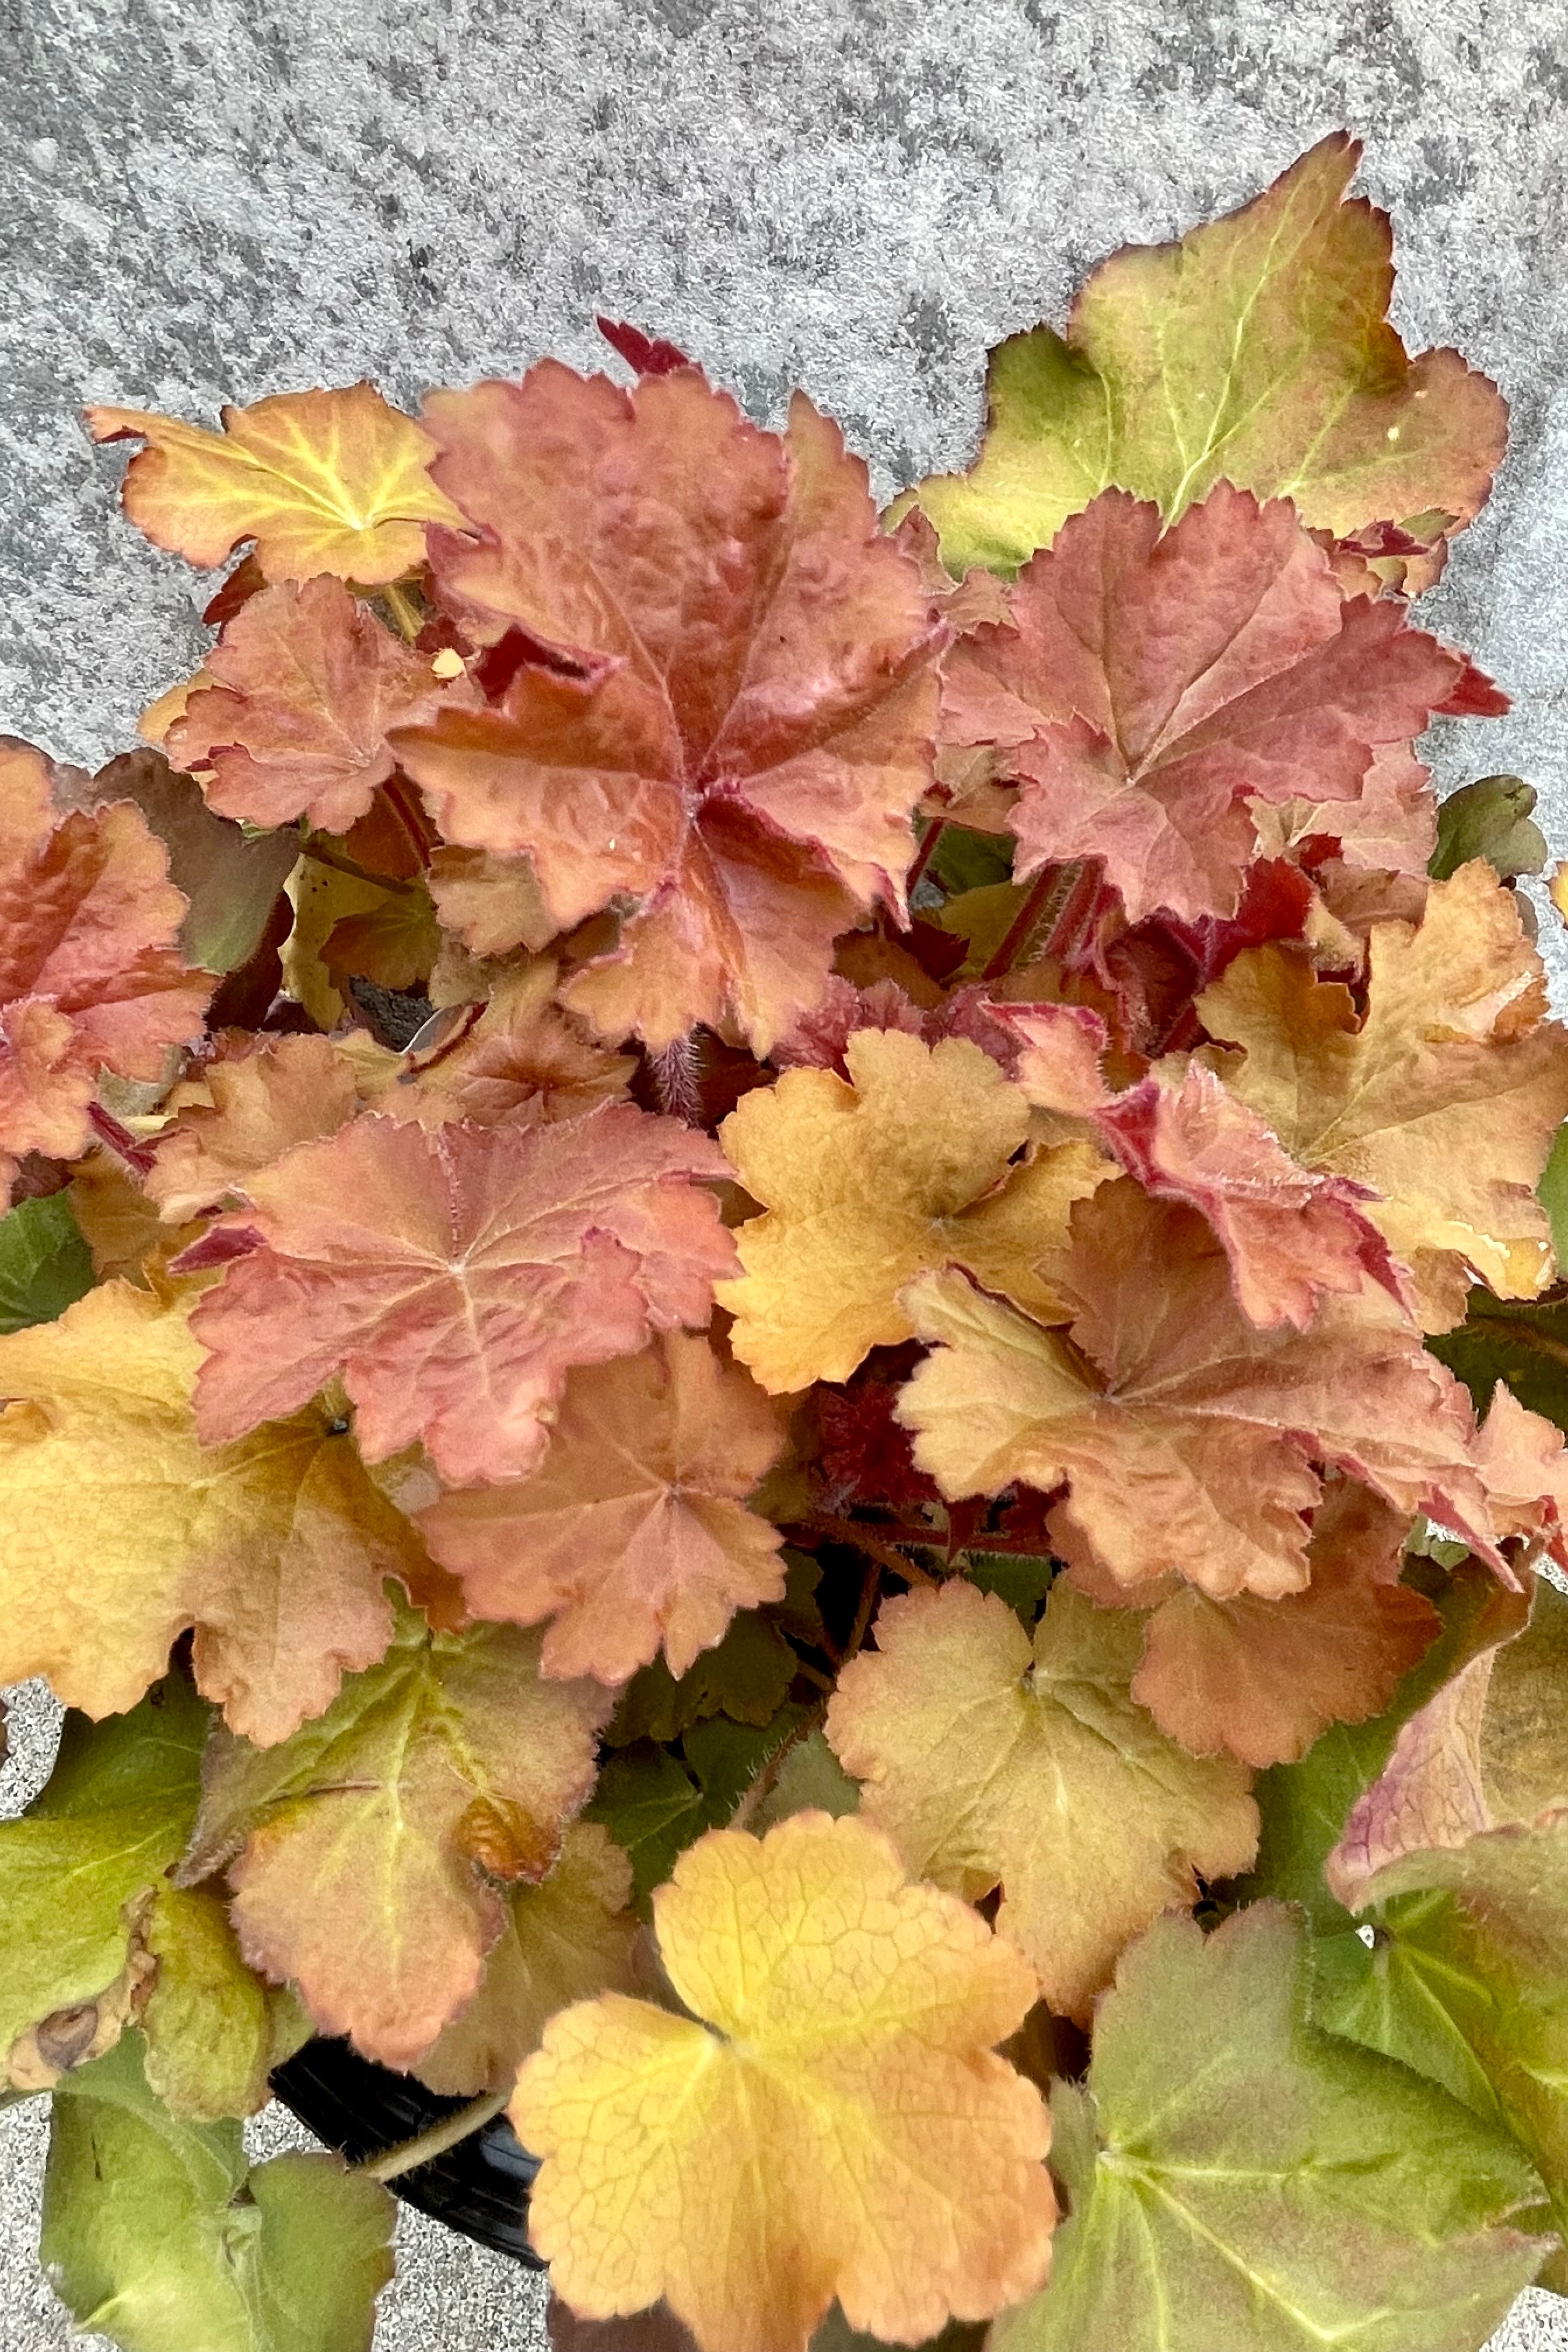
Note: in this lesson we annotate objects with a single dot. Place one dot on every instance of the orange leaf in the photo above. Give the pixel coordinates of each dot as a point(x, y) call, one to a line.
point(454, 1277)
point(305, 686)
point(727, 700)
point(322, 481)
point(828, 2118)
point(90, 978)
point(1183, 1435)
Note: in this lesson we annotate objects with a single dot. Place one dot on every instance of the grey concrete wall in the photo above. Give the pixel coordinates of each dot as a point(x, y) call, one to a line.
point(232, 197)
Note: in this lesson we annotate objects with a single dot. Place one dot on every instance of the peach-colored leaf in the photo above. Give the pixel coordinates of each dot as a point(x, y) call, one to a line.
point(1152, 684)
point(1183, 1435)
point(365, 1851)
point(633, 1533)
point(322, 481)
point(727, 711)
point(454, 1275)
point(258, 1106)
point(1442, 1096)
point(828, 2117)
point(118, 1530)
point(516, 1058)
point(91, 976)
point(307, 685)
point(992, 1763)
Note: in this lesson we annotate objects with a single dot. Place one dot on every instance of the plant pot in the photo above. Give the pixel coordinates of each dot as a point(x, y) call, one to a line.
point(480, 2186)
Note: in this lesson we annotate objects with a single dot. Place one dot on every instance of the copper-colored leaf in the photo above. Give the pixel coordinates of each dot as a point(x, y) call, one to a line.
point(728, 708)
point(454, 1275)
point(1185, 1435)
point(90, 978)
point(307, 685)
point(633, 1534)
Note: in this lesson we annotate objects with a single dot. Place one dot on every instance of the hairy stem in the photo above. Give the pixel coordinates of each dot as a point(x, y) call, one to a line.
point(1049, 912)
point(924, 854)
point(868, 1542)
point(410, 2154)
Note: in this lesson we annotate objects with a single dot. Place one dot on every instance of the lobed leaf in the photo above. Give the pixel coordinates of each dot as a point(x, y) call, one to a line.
point(684, 2156)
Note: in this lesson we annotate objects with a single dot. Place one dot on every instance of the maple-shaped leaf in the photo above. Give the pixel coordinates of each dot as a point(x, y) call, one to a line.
point(1443, 1097)
point(994, 1762)
point(119, 1529)
point(491, 903)
point(455, 1276)
point(112, 1822)
point(565, 1940)
point(1151, 683)
point(686, 2156)
point(1256, 351)
point(515, 1057)
point(1183, 1433)
point(1241, 2182)
point(633, 1535)
point(867, 1184)
point(230, 879)
point(158, 2233)
point(1292, 1235)
point(259, 1104)
point(90, 977)
point(322, 481)
point(728, 710)
point(363, 1852)
point(1265, 1678)
point(306, 686)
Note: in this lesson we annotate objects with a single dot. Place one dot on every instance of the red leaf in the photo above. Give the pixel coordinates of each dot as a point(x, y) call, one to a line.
point(650, 355)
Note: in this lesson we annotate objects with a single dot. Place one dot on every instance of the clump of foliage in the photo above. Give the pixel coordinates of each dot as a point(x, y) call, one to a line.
point(782, 1356)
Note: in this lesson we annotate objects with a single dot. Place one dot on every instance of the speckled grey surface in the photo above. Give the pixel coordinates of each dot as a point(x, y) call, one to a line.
point(241, 196)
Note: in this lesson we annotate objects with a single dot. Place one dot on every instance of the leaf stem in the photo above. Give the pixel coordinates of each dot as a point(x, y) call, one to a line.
point(924, 854)
point(1048, 900)
point(767, 1774)
point(410, 2154)
point(402, 612)
point(867, 1541)
point(341, 864)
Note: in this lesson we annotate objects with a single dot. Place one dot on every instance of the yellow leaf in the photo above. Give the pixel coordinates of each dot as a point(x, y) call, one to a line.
point(118, 1529)
point(865, 1185)
point(993, 1765)
point(1444, 1097)
point(827, 2120)
point(1256, 351)
point(322, 481)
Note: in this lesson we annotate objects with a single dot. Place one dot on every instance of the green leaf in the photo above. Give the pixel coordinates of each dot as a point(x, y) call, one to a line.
point(965, 860)
point(112, 1822)
point(1021, 1579)
point(1489, 819)
point(1238, 2181)
point(653, 1809)
point(1256, 351)
point(158, 2235)
point(744, 1676)
point(231, 878)
point(811, 1779)
point(1552, 1194)
point(1522, 1342)
point(44, 1264)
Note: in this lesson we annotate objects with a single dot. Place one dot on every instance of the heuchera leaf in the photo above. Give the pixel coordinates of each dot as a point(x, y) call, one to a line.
point(454, 1277)
point(1257, 349)
point(1489, 819)
point(867, 1184)
point(306, 685)
point(90, 977)
point(992, 1764)
point(322, 481)
point(1443, 1097)
point(231, 878)
point(260, 1104)
point(565, 1940)
point(363, 1852)
point(157, 2233)
point(1457, 1858)
point(685, 2155)
point(122, 1529)
point(521, 1059)
point(728, 712)
point(1148, 686)
point(1523, 1345)
point(1265, 1678)
point(633, 1534)
point(44, 1264)
point(1183, 1434)
point(1239, 2182)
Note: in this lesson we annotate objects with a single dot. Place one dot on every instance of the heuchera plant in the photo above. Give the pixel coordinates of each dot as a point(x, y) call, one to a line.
point(782, 1360)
